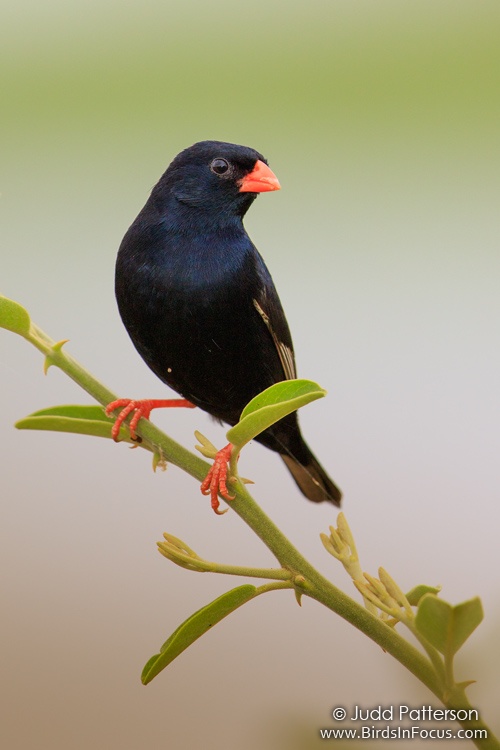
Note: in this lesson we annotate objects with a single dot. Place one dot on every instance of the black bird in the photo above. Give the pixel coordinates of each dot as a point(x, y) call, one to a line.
point(200, 305)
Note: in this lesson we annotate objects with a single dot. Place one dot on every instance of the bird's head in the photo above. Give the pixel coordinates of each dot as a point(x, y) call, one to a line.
point(218, 177)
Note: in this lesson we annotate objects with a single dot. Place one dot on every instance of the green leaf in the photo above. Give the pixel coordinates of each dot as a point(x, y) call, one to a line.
point(415, 595)
point(272, 405)
point(194, 627)
point(75, 418)
point(77, 411)
point(14, 317)
point(447, 627)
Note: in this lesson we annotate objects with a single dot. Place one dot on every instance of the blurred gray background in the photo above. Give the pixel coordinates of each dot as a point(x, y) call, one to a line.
point(381, 121)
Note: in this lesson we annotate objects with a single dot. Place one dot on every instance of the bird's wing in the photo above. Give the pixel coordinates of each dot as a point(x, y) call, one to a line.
point(285, 351)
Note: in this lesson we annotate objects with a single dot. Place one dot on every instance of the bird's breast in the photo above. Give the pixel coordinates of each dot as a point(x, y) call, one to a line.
point(187, 303)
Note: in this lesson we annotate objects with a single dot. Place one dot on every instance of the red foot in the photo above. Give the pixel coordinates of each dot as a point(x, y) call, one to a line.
point(215, 481)
point(141, 409)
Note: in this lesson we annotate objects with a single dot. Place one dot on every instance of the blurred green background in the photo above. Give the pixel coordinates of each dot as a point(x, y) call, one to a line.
point(382, 123)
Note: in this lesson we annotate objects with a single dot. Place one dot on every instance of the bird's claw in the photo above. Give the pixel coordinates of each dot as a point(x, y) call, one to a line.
point(142, 408)
point(127, 406)
point(215, 483)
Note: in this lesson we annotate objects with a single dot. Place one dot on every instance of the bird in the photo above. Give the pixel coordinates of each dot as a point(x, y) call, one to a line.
point(201, 308)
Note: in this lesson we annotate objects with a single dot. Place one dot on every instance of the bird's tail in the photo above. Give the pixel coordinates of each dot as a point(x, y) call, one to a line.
point(312, 479)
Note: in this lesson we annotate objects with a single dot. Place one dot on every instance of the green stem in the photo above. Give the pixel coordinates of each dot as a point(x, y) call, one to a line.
point(489, 741)
point(449, 675)
point(312, 583)
point(433, 654)
point(273, 587)
point(276, 574)
point(199, 565)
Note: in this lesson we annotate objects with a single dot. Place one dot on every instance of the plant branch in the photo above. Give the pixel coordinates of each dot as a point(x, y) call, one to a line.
point(314, 585)
point(301, 574)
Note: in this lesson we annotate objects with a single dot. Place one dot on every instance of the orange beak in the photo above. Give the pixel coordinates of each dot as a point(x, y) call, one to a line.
point(260, 180)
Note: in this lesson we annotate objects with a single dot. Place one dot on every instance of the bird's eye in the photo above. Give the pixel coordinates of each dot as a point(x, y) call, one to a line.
point(219, 166)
